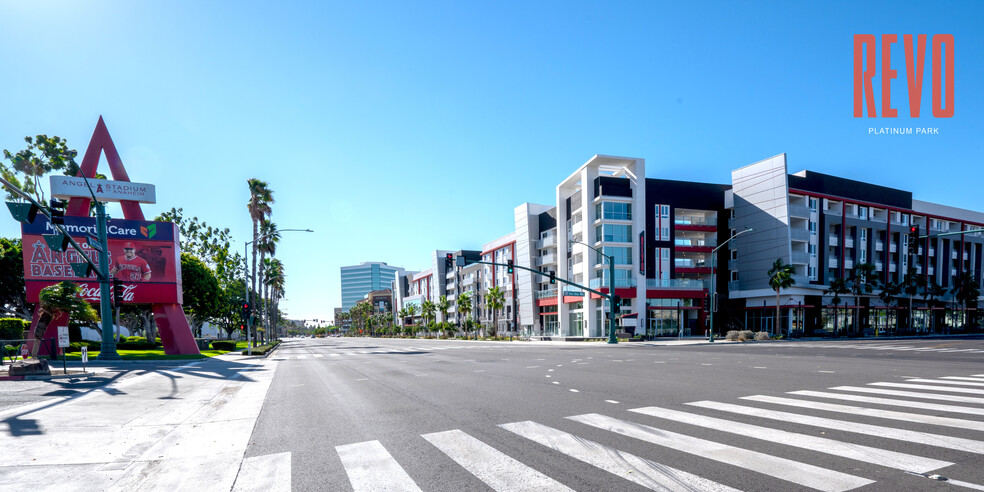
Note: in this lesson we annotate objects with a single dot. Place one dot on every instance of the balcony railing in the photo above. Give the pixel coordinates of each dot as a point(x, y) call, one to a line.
point(547, 242)
point(687, 263)
point(695, 220)
point(879, 246)
point(799, 211)
point(849, 243)
point(801, 257)
point(833, 241)
point(542, 294)
point(676, 283)
point(549, 259)
point(797, 234)
point(620, 283)
point(710, 242)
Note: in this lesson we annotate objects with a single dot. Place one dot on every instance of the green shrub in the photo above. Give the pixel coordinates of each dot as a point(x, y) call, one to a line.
point(135, 345)
point(13, 328)
point(262, 349)
point(135, 339)
point(8, 351)
point(226, 345)
point(77, 346)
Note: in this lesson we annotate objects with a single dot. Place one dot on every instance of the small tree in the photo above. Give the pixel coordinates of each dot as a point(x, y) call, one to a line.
point(780, 278)
point(889, 295)
point(443, 304)
point(56, 300)
point(862, 281)
point(966, 292)
point(427, 309)
point(495, 299)
point(464, 305)
point(837, 287)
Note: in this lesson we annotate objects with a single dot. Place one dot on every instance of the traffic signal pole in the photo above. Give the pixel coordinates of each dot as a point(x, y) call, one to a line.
point(610, 296)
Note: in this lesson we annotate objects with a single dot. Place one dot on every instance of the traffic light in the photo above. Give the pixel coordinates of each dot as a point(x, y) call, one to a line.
point(448, 261)
point(118, 290)
point(616, 304)
point(553, 278)
point(56, 208)
point(707, 301)
point(913, 239)
point(509, 266)
point(246, 311)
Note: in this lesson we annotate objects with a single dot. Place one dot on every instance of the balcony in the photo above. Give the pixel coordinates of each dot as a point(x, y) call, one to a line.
point(879, 246)
point(799, 234)
point(547, 259)
point(686, 220)
point(801, 257)
point(550, 240)
point(832, 263)
point(545, 294)
point(620, 283)
point(833, 241)
point(676, 284)
point(799, 211)
point(849, 243)
point(709, 242)
point(688, 263)
point(893, 248)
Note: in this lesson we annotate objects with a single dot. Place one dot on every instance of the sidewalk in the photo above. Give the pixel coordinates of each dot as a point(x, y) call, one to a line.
point(168, 428)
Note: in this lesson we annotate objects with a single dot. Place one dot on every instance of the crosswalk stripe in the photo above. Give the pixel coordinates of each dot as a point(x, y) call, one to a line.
point(299, 357)
point(872, 412)
point(370, 468)
point(782, 468)
point(912, 394)
point(960, 444)
point(891, 401)
point(649, 474)
point(493, 467)
point(963, 378)
point(890, 459)
point(319, 355)
point(929, 387)
point(944, 381)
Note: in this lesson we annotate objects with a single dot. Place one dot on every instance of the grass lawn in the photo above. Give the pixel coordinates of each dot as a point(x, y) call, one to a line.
point(156, 354)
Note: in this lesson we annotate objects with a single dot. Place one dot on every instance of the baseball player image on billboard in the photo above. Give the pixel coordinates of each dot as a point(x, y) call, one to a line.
point(130, 267)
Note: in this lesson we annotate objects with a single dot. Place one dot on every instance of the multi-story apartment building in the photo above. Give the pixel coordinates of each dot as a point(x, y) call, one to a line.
point(661, 234)
point(359, 280)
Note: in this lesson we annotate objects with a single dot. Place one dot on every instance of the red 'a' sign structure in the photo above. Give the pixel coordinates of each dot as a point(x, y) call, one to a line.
point(158, 252)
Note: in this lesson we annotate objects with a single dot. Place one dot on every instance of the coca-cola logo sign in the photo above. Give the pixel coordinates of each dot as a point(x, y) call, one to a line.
point(92, 292)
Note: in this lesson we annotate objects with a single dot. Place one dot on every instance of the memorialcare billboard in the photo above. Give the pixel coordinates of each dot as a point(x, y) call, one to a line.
point(144, 256)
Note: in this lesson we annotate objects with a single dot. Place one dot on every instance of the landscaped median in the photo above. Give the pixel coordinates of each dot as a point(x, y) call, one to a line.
point(262, 349)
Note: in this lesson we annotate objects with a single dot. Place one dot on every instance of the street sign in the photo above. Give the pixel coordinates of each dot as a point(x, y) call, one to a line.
point(85, 354)
point(63, 336)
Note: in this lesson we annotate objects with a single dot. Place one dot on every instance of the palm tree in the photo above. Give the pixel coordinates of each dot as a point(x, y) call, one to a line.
point(966, 291)
point(55, 301)
point(889, 294)
point(931, 291)
point(443, 304)
point(266, 245)
point(427, 308)
point(260, 199)
point(495, 299)
point(412, 313)
point(837, 287)
point(464, 305)
point(275, 283)
point(780, 278)
point(910, 285)
point(862, 281)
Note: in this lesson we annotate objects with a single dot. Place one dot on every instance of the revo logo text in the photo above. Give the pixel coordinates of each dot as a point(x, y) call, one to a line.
point(864, 72)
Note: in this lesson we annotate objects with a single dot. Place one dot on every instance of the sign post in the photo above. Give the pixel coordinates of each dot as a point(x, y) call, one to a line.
point(85, 356)
point(63, 344)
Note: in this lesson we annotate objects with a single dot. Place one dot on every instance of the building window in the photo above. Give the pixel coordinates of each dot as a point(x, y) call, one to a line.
point(813, 228)
point(613, 211)
point(616, 233)
point(734, 275)
point(812, 249)
point(622, 255)
point(664, 211)
point(811, 272)
point(813, 204)
point(863, 212)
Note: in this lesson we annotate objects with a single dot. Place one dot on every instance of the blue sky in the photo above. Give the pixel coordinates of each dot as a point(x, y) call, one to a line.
point(396, 128)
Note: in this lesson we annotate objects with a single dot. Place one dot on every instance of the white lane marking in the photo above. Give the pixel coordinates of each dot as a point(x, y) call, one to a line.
point(827, 372)
point(574, 390)
point(703, 364)
point(883, 457)
point(334, 355)
point(891, 401)
point(649, 474)
point(872, 412)
point(300, 357)
point(532, 367)
point(613, 402)
point(968, 445)
point(944, 381)
point(550, 370)
point(496, 469)
point(961, 378)
point(362, 379)
point(930, 387)
point(759, 367)
point(370, 467)
point(659, 362)
point(319, 355)
point(549, 376)
point(262, 473)
point(479, 370)
point(555, 382)
point(781, 468)
point(913, 394)
point(968, 485)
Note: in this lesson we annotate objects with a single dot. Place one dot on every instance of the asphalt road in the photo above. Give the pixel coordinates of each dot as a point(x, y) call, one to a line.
point(384, 414)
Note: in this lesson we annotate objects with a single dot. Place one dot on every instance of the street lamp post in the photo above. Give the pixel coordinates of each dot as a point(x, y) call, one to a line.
point(611, 291)
point(250, 335)
point(713, 284)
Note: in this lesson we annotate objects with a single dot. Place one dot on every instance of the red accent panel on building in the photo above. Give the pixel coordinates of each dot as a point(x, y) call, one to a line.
point(701, 270)
point(674, 294)
point(547, 301)
point(694, 249)
point(695, 227)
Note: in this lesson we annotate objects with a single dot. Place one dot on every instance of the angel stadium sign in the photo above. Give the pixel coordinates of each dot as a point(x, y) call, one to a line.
point(104, 189)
